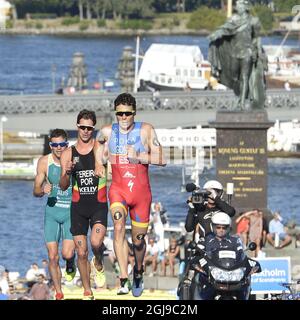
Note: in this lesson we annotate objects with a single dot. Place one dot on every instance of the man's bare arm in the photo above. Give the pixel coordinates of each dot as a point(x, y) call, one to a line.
point(66, 168)
point(41, 171)
point(155, 153)
point(101, 152)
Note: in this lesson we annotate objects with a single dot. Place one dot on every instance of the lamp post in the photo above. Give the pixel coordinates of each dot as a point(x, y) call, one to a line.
point(53, 70)
point(2, 119)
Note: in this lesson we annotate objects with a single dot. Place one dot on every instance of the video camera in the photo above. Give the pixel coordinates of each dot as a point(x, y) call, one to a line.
point(198, 195)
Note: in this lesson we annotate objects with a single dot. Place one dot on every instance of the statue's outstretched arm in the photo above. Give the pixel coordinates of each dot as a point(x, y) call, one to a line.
point(227, 29)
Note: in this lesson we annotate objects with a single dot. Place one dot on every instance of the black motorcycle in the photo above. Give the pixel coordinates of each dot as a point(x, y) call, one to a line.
point(218, 275)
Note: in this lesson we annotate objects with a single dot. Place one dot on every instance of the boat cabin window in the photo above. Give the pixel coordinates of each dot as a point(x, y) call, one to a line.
point(178, 73)
point(156, 78)
point(192, 72)
point(162, 80)
point(185, 72)
point(199, 73)
point(169, 80)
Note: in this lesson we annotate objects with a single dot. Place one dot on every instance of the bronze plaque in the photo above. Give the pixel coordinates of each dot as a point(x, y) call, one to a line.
point(241, 157)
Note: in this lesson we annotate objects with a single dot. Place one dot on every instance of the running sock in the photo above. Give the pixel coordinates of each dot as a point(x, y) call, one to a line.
point(70, 264)
point(123, 281)
point(98, 253)
point(139, 253)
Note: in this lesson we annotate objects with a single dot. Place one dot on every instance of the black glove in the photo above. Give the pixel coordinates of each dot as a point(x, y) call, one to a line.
point(193, 212)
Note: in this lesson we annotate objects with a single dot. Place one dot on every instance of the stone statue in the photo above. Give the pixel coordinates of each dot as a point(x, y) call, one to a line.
point(78, 74)
point(237, 58)
point(126, 70)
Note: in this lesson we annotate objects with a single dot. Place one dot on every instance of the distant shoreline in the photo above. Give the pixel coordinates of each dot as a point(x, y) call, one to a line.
point(94, 31)
point(104, 32)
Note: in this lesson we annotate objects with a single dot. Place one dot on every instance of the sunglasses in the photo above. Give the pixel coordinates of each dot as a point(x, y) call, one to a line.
point(82, 127)
point(127, 113)
point(60, 144)
point(221, 227)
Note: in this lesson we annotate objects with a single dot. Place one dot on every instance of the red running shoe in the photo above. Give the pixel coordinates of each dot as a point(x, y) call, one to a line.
point(59, 296)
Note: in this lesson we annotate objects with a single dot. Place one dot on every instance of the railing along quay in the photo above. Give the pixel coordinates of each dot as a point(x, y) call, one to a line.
point(169, 100)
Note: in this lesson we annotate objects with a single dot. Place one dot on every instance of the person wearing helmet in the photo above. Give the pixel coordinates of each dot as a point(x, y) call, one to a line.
point(199, 215)
point(211, 246)
point(221, 238)
point(221, 224)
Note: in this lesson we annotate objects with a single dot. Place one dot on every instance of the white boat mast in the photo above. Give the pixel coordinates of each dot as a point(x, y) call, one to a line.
point(229, 8)
point(136, 69)
point(294, 22)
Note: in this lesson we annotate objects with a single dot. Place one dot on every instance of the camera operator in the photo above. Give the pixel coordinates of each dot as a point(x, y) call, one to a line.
point(199, 215)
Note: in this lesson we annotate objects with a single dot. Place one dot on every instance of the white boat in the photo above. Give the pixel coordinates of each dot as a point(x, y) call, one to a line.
point(173, 67)
point(283, 61)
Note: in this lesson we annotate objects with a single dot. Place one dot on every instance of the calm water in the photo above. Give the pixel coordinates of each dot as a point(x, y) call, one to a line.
point(27, 61)
point(21, 226)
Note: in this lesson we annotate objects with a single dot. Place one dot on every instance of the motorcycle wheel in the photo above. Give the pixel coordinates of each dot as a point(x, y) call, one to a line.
point(185, 293)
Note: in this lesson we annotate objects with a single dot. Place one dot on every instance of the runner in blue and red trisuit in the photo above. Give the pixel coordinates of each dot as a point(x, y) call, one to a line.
point(130, 147)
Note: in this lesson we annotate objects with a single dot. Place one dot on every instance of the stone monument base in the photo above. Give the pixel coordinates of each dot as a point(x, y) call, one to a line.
point(241, 156)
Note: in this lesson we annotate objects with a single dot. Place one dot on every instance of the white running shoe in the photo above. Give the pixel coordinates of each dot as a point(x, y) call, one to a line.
point(125, 286)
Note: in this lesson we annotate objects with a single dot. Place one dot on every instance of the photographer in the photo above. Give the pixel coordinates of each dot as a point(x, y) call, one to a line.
point(200, 213)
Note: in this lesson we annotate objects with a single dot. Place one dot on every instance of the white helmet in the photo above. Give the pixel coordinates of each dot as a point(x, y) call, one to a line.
point(221, 218)
point(214, 184)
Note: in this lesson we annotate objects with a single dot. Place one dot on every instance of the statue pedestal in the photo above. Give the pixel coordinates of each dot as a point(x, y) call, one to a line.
point(241, 156)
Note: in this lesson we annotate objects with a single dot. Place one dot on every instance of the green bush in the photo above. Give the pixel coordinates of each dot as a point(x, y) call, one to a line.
point(9, 24)
point(265, 16)
point(70, 20)
point(176, 21)
point(101, 23)
point(206, 18)
point(43, 15)
point(165, 23)
point(84, 25)
point(136, 24)
point(39, 25)
point(285, 5)
point(29, 24)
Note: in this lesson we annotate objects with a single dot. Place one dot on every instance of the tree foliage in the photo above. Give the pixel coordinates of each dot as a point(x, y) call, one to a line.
point(141, 9)
point(206, 18)
point(265, 16)
point(285, 5)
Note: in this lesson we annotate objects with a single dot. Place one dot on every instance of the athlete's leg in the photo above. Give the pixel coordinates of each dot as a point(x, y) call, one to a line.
point(68, 246)
point(139, 215)
point(139, 249)
point(97, 236)
point(82, 261)
point(68, 253)
point(52, 236)
point(119, 213)
point(139, 245)
point(54, 268)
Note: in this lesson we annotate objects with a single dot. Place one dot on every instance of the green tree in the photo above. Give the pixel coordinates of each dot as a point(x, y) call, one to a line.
point(116, 7)
point(99, 8)
point(265, 16)
point(206, 18)
point(140, 8)
point(285, 5)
